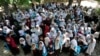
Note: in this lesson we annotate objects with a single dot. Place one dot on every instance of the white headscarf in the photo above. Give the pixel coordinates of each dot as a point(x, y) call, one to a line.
point(35, 38)
point(88, 38)
point(21, 32)
point(38, 30)
point(67, 44)
point(25, 27)
point(96, 34)
point(47, 40)
point(6, 30)
point(31, 11)
point(60, 34)
point(74, 44)
point(34, 46)
point(7, 22)
point(48, 35)
point(22, 41)
point(28, 39)
point(53, 32)
point(0, 29)
point(43, 48)
point(57, 43)
point(39, 19)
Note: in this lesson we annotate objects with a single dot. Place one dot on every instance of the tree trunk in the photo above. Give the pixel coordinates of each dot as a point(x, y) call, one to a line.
point(6, 7)
point(70, 2)
point(15, 6)
point(79, 2)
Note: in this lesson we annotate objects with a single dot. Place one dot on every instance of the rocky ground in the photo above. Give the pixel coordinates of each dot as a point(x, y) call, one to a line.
point(4, 53)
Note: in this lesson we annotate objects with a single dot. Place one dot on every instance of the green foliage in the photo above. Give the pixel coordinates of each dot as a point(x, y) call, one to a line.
point(98, 0)
point(38, 1)
point(22, 2)
point(70, 2)
point(18, 2)
point(97, 11)
point(2, 2)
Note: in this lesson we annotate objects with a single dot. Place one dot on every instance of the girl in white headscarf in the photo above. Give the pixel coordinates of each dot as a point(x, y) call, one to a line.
point(75, 29)
point(6, 29)
point(88, 38)
point(66, 47)
point(18, 16)
point(38, 30)
point(57, 46)
point(46, 41)
point(32, 13)
point(62, 22)
point(32, 23)
point(34, 50)
point(38, 19)
point(25, 27)
point(28, 39)
point(59, 34)
point(91, 46)
point(26, 15)
point(42, 49)
point(75, 49)
point(21, 33)
point(35, 38)
point(64, 38)
point(53, 33)
point(24, 45)
point(7, 22)
point(70, 35)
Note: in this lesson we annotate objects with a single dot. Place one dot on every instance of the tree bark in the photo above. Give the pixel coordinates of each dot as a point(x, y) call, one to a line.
point(15, 6)
point(70, 2)
point(6, 7)
point(79, 2)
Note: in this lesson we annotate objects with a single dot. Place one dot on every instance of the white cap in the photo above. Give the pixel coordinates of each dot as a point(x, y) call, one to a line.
point(0, 29)
point(21, 38)
point(52, 29)
point(37, 25)
point(37, 14)
point(5, 27)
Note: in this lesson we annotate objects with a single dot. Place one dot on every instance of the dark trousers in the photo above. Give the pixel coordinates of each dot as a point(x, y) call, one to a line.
point(65, 49)
point(71, 52)
point(50, 54)
point(57, 52)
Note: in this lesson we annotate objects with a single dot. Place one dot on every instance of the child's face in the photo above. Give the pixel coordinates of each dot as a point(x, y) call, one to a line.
point(68, 41)
point(28, 20)
point(27, 37)
point(41, 38)
point(33, 46)
point(21, 40)
point(40, 44)
point(8, 39)
point(51, 46)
